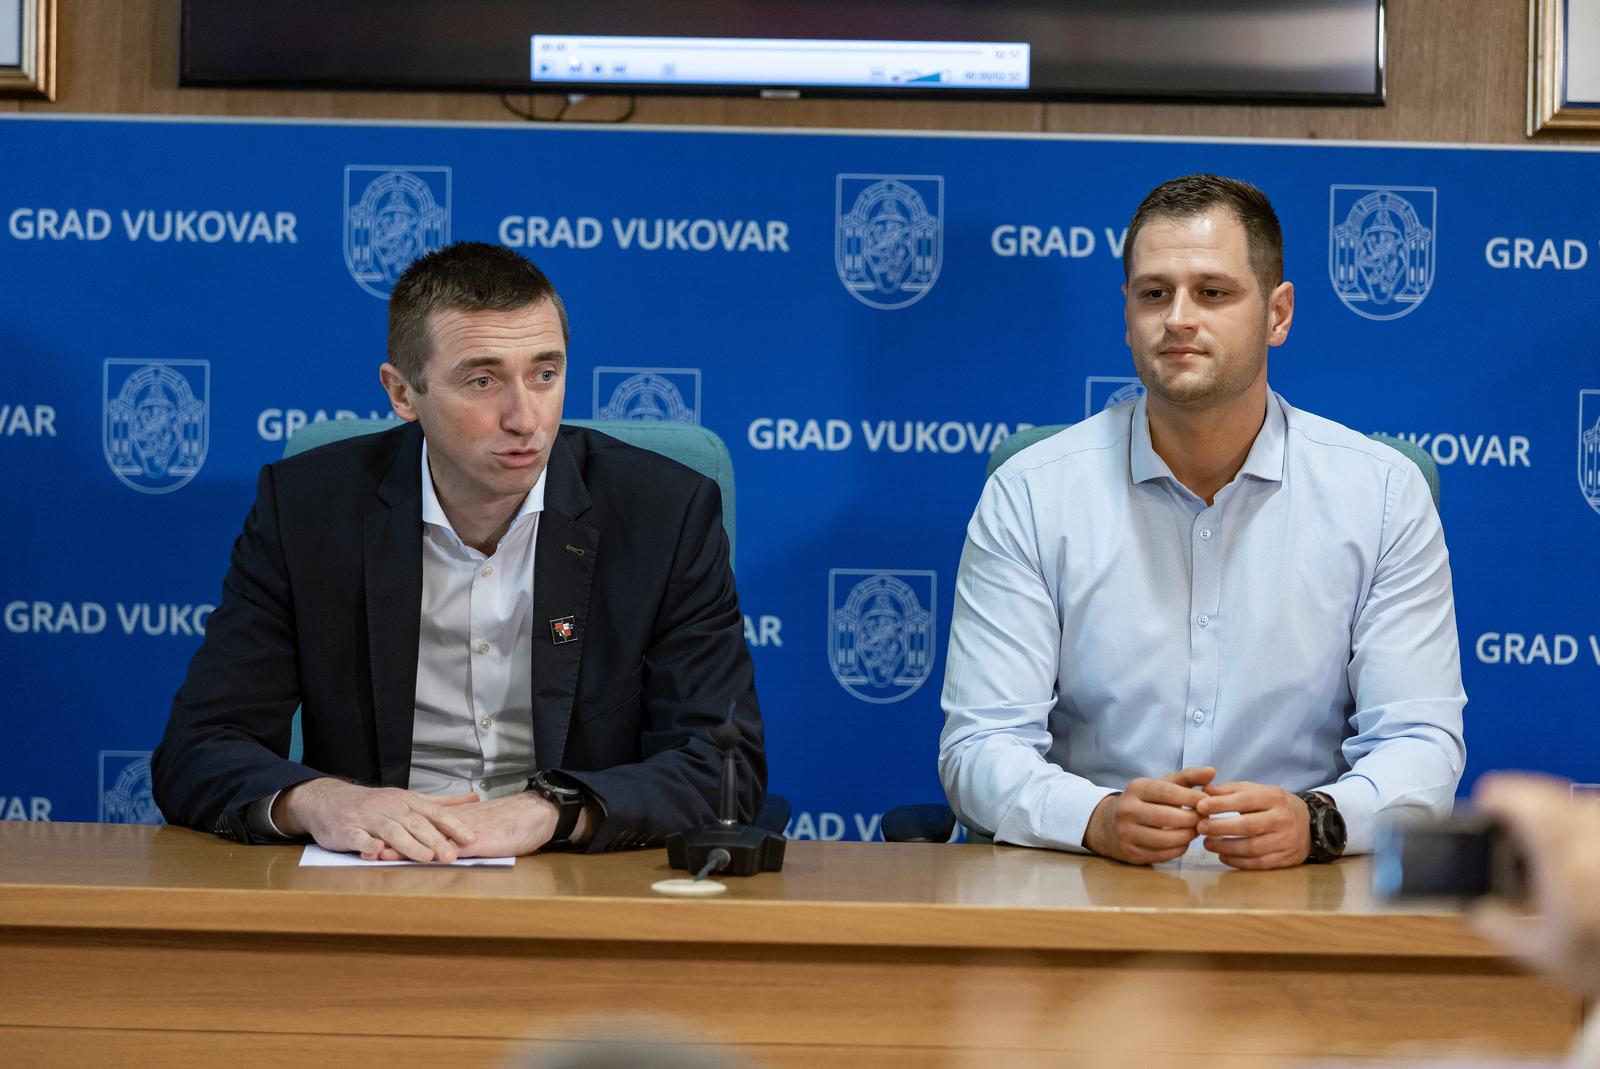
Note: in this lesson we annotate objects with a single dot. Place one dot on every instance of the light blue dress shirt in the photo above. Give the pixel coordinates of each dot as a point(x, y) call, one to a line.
point(1300, 631)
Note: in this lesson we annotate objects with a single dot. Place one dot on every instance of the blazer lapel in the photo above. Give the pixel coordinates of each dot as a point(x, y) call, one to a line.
point(392, 567)
point(563, 571)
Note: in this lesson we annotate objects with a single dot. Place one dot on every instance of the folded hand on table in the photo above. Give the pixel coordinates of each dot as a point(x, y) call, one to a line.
point(379, 823)
point(1152, 820)
point(1271, 828)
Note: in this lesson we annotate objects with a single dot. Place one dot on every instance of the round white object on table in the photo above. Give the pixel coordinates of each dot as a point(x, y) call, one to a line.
point(689, 888)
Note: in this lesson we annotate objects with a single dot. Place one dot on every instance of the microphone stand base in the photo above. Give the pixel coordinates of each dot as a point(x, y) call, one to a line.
point(752, 849)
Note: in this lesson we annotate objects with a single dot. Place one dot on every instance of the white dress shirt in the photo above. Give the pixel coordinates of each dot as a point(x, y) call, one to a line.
point(473, 725)
point(474, 707)
point(1109, 624)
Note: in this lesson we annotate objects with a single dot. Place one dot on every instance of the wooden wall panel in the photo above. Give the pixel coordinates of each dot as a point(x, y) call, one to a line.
point(1457, 72)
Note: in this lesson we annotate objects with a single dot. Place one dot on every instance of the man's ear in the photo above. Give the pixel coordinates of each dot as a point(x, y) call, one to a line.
point(399, 390)
point(1280, 313)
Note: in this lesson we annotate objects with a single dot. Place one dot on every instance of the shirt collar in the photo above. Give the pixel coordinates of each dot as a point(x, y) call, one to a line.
point(1144, 463)
point(1265, 460)
point(433, 512)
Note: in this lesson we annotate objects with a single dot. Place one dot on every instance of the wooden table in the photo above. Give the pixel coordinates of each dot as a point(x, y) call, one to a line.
point(139, 945)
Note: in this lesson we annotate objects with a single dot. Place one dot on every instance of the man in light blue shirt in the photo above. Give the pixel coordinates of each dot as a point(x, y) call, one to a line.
point(1205, 613)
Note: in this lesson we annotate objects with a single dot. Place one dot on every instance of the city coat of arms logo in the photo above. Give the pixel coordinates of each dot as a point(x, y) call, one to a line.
point(647, 394)
point(392, 215)
point(880, 632)
point(889, 237)
point(1101, 392)
point(1589, 446)
point(155, 421)
point(1381, 247)
point(125, 788)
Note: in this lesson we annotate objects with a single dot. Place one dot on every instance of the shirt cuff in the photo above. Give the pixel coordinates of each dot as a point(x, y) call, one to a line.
point(1357, 800)
point(1081, 821)
point(258, 818)
point(1060, 823)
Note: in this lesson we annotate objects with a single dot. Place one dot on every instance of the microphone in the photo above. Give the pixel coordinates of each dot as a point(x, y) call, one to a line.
point(726, 736)
point(725, 845)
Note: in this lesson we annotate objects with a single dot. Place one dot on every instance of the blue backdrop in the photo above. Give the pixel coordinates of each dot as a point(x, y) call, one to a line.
point(861, 318)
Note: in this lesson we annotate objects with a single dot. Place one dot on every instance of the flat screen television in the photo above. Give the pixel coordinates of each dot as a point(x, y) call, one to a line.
point(1288, 51)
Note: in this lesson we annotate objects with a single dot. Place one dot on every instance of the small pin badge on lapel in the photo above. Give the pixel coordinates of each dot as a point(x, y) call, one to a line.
point(563, 630)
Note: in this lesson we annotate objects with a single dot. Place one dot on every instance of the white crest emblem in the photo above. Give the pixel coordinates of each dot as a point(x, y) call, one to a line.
point(156, 421)
point(1101, 392)
point(880, 635)
point(647, 394)
point(125, 794)
point(392, 215)
point(889, 241)
point(1589, 446)
point(1381, 247)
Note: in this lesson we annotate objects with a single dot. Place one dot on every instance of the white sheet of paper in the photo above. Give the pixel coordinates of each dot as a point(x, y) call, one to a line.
point(315, 857)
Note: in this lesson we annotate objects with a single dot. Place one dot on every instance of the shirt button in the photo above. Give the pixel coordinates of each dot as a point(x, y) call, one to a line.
point(483, 647)
point(484, 723)
point(1198, 716)
point(488, 569)
point(483, 785)
point(1203, 620)
point(1205, 534)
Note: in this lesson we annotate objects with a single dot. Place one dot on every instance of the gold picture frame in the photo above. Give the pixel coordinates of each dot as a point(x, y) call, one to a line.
point(28, 69)
point(1563, 82)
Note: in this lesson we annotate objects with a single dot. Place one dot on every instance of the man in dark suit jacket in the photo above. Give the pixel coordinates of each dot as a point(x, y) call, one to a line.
point(566, 700)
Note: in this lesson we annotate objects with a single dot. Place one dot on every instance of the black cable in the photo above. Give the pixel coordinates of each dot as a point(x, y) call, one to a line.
point(529, 116)
point(716, 861)
point(532, 116)
point(633, 105)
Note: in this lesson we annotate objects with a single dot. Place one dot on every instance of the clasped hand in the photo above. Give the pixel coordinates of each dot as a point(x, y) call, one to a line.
point(390, 824)
point(1155, 820)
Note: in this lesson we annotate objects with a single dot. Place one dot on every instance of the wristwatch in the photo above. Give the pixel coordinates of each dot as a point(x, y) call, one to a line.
point(568, 801)
point(1327, 828)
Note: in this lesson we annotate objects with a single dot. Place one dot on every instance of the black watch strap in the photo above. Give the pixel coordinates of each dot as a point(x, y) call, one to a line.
point(568, 799)
point(1327, 829)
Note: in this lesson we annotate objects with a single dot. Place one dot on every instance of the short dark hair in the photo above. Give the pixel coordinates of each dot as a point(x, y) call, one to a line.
point(1196, 194)
point(468, 276)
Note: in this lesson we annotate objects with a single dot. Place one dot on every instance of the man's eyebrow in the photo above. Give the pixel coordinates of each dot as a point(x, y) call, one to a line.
point(475, 363)
point(1204, 276)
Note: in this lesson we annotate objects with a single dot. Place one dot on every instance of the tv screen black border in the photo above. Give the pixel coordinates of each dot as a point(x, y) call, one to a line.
point(200, 68)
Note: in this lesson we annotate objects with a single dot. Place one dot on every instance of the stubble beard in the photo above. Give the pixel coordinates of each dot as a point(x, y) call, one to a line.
point(1221, 378)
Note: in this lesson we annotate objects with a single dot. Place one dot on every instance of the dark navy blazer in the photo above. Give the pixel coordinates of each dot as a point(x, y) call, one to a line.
point(321, 606)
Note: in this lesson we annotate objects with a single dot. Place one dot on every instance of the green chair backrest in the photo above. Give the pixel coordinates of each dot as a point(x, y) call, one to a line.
point(1022, 439)
point(1419, 457)
point(687, 443)
point(1015, 443)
